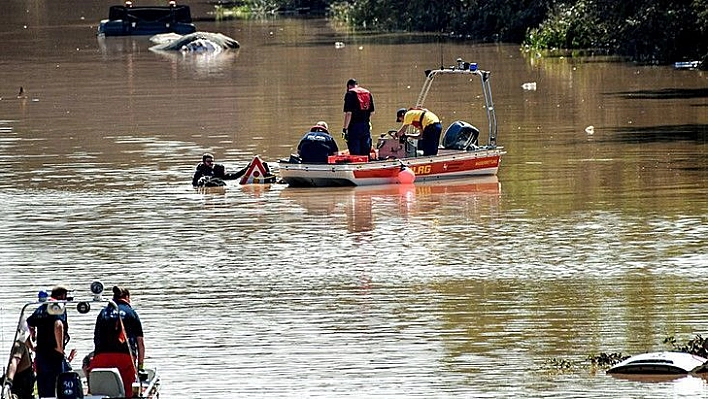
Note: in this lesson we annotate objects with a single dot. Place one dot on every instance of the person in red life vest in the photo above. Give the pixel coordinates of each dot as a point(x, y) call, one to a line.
point(358, 108)
point(426, 123)
point(118, 339)
point(317, 144)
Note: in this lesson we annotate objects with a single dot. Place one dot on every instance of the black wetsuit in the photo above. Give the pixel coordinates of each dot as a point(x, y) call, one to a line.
point(217, 172)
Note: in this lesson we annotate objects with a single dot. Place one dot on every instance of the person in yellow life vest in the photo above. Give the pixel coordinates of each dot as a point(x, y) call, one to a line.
point(426, 123)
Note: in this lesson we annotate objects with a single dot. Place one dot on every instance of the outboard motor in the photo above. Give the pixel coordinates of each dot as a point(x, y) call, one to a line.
point(69, 386)
point(460, 135)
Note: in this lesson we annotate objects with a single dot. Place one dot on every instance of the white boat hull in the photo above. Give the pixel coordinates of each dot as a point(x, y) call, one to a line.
point(447, 164)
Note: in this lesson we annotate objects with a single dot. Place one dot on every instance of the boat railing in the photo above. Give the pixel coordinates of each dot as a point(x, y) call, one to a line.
point(466, 69)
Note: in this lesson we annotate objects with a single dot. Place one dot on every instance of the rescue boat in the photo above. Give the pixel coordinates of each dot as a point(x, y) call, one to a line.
point(398, 161)
point(102, 383)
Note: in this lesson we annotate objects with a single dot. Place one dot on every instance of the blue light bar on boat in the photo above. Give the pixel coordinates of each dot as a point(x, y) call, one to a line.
point(473, 66)
point(42, 296)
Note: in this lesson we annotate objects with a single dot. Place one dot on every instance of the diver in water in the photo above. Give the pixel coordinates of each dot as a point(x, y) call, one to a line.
point(210, 174)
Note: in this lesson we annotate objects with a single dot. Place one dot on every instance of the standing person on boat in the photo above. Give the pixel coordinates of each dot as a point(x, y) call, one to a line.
point(52, 335)
point(210, 170)
point(20, 377)
point(118, 339)
point(426, 123)
point(358, 108)
point(317, 144)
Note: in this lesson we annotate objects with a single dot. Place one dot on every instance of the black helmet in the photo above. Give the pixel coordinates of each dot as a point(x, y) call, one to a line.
point(400, 113)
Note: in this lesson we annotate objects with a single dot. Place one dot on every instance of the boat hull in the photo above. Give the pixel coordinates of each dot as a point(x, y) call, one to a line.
point(448, 164)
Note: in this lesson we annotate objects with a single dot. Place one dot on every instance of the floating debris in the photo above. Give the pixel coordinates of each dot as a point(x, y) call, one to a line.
point(687, 65)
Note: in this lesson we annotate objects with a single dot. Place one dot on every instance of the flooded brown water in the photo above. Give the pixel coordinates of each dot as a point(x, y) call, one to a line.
point(591, 239)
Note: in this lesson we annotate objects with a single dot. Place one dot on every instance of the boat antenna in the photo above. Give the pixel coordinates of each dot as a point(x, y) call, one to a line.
point(442, 63)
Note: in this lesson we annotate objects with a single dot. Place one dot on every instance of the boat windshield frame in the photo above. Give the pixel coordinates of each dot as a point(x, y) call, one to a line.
point(484, 78)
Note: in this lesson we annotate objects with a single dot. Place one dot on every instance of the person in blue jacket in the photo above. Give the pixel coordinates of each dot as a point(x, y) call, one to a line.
point(317, 144)
point(52, 334)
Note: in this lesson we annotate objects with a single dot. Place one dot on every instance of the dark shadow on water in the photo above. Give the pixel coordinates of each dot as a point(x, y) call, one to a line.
point(663, 94)
point(665, 133)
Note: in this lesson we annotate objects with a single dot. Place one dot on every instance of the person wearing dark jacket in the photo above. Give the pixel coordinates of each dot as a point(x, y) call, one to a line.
point(317, 144)
point(118, 339)
point(358, 108)
point(52, 334)
point(209, 173)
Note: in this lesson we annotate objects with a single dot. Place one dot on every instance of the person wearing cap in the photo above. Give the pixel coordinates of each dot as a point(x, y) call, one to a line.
point(52, 334)
point(358, 108)
point(118, 339)
point(426, 123)
point(20, 377)
point(209, 170)
point(317, 144)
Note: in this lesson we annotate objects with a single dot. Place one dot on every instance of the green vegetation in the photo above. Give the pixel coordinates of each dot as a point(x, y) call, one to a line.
point(650, 31)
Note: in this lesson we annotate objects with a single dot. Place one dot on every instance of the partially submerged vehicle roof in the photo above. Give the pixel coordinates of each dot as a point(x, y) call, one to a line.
point(176, 13)
point(652, 363)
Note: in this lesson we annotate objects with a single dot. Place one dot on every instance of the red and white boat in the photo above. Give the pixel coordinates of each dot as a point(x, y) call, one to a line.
point(397, 161)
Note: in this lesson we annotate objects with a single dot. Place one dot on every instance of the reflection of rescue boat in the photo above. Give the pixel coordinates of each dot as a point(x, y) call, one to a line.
point(461, 155)
point(660, 363)
point(102, 383)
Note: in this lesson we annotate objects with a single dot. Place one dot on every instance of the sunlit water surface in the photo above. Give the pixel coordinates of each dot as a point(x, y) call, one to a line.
point(592, 238)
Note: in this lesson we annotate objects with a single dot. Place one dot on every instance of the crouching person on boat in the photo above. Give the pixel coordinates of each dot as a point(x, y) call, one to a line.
point(118, 339)
point(426, 123)
point(317, 144)
point(20, 379)
point(211, 174)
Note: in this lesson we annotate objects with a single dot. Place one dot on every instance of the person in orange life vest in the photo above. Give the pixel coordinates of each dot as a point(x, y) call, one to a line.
point(358, 108)
point(317, 144)
point(118, 339)
point(428, 126)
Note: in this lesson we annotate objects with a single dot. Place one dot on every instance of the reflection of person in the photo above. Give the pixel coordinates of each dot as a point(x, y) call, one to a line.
point(118, 339)
point(52, 334)
point(20, 376)
point(316, 145)
point(208, 169)
point(358, 108)
point(428, 126)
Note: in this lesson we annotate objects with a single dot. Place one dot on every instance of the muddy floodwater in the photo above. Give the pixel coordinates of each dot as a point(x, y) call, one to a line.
point(591, 239)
